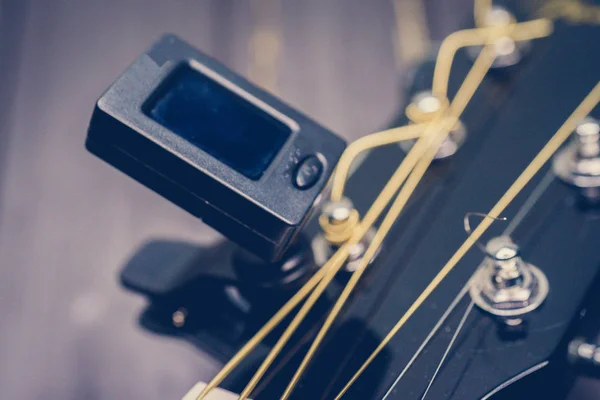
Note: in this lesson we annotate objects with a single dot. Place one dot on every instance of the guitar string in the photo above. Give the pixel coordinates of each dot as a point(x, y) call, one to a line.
point(477, 73)
point(379, 204)
point(283, 361)
point(365, 143)
point(521, 214)
point(584, 108)
point(530, 202)
point(447, 351)
point(514, 379)
point(520, 31)
point(481, 10)
point(430, 336)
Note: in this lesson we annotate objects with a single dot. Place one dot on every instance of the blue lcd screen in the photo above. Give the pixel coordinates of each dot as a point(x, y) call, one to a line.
point(218, 121)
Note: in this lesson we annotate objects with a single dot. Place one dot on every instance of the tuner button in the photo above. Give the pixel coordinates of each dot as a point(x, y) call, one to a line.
point(578, 164)
point(308, 172)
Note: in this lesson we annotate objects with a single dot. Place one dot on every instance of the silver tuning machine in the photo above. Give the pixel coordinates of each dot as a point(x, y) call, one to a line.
point(505, 285)
point(578, 164)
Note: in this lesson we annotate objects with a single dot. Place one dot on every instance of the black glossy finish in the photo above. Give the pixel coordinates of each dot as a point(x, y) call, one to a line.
point(558, 235)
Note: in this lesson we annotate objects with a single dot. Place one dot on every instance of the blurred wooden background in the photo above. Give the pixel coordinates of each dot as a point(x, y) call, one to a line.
point(68, 221)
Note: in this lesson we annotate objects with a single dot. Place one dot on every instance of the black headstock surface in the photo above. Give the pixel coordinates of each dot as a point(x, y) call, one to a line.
point(554, 229)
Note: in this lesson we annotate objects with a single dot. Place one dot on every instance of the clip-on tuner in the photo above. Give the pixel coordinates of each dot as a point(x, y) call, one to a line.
point(213, 143)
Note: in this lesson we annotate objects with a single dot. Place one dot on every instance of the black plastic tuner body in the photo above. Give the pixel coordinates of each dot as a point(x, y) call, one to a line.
point(208, 140)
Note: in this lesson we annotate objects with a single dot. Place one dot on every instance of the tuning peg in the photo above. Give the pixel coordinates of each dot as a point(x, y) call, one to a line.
point(505, 285)
point(578, 164)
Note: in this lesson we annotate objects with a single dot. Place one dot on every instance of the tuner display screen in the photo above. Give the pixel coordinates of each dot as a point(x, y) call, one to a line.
point(218, 121)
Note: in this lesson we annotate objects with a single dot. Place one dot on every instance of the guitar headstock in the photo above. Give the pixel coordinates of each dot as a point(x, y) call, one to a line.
point(451, 347)
point(433, 314)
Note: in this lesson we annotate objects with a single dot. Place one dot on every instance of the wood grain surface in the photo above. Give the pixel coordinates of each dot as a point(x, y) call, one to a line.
point(68, 221)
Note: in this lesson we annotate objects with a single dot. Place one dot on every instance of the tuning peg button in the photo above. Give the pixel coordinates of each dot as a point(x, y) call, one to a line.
point(578, 164)
point(584, 356)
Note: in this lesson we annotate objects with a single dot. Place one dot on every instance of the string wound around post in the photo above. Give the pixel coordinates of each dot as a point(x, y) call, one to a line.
point(468, 229)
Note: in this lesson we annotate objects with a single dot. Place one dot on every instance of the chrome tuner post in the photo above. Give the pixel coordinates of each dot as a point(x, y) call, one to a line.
point(578, 164)
point(338, 213)
point(505, 285)
point(508, 51)
point(427, 105)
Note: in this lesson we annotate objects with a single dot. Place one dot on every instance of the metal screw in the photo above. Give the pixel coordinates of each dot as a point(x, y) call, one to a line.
point(179, 317)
